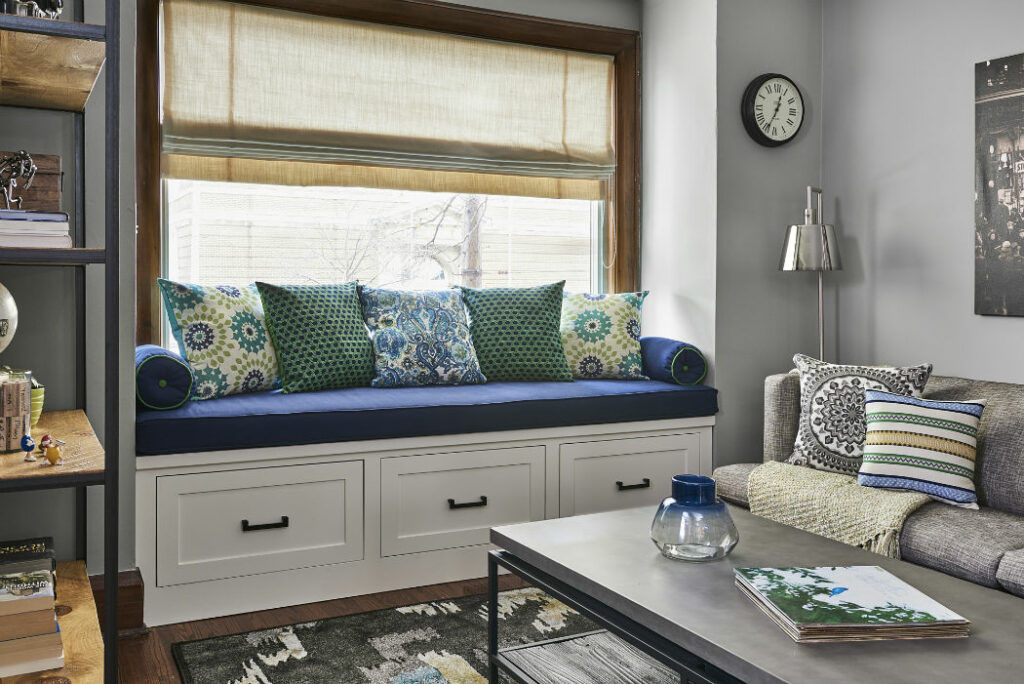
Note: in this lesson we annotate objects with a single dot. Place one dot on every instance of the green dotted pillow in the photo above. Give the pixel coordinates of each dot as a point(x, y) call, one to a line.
point(319, 336)
point(515, 332)
point(220, 330)
point(601, 335)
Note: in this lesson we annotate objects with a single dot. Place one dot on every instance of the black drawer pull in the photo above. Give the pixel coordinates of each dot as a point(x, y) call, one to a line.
point(468, 504)
point(639, 485)
point(246, 527)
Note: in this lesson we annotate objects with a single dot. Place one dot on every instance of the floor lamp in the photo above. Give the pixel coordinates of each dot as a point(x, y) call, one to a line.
point(812, 246)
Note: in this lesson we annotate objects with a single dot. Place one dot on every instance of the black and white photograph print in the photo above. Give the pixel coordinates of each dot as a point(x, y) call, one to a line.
point(999, 187)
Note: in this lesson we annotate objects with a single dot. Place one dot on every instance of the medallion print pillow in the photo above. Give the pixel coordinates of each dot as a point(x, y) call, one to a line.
point(831, 431)
point(601, 335)
point(515, 332)
point(419, 338)
point(922, 445)
point(221, 332)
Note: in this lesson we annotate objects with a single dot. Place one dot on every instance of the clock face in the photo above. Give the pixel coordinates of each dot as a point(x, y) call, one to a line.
point(773, 109)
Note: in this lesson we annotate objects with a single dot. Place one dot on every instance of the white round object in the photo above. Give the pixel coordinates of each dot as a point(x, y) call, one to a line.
point(8, 317)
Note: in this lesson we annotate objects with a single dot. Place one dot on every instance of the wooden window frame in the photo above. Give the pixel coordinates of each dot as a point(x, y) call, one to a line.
point(623, 239)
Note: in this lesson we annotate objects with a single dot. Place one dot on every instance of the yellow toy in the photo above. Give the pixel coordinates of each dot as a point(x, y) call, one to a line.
point(53, 455)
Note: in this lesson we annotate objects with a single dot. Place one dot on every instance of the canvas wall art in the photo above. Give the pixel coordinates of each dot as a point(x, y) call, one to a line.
point(999, 187)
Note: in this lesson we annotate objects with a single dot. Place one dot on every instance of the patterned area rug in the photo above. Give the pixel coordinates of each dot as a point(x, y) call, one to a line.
point(443, 642)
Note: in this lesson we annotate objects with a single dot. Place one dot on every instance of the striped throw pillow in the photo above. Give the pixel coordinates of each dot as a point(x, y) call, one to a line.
point(921, 445)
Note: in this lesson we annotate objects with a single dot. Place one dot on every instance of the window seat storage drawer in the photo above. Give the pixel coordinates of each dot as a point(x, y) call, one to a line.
point(443, 501)
point(611, 474)
point(247, 522)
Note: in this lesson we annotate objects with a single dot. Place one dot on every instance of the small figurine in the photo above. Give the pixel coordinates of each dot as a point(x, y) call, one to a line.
point(53, 455)
point(28, 445)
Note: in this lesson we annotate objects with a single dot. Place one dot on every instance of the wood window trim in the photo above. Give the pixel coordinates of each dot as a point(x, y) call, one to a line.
point(623, 239)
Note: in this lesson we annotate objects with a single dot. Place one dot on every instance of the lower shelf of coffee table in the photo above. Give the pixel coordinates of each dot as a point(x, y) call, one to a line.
point(586, 658)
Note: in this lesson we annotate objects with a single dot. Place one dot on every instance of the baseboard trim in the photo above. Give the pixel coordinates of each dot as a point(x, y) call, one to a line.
point(131, 597)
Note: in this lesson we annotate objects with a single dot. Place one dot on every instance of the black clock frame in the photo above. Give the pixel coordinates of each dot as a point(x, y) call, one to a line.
point(749, 118)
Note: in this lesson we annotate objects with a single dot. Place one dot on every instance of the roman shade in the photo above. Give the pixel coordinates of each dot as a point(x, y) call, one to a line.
point(262, 95)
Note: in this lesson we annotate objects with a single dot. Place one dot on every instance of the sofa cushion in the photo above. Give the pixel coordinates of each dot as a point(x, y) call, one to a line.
point(1011, 572)
point(961, 542)
point(831, 434)
point(673, 361)
point(731, 482)
point(162, 378)
point(275, 419)
point(1000, 466)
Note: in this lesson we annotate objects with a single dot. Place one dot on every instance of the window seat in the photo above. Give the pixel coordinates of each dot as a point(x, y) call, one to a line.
point(273, 419)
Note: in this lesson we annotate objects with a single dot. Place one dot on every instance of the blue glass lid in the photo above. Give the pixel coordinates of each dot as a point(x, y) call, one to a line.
point(693, 490)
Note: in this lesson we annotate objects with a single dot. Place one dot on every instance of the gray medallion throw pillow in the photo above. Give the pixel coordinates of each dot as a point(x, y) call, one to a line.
point(832, 424)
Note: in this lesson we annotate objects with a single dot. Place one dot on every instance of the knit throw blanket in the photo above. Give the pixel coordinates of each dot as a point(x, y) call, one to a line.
point(832, 505)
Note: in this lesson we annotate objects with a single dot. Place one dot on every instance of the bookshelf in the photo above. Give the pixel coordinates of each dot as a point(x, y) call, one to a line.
point(54, 64)
point(80, 629)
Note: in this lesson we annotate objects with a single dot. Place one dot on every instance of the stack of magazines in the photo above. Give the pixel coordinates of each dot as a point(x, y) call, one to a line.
point(34, 229)
point(856, 603)
point(30, 639)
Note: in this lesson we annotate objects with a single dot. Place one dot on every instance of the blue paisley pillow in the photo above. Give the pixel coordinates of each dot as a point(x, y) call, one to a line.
point(221, 332)
point(419, 338)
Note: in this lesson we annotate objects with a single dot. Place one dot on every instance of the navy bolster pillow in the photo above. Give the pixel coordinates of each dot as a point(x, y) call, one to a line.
point(163, 380)
point(672, 361)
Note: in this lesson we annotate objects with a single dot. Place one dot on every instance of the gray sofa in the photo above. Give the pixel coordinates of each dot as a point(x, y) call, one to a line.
point(984, 546)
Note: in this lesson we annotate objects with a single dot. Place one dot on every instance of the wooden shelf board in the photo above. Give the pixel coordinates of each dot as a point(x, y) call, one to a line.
point(83, 454)
point(52, 27)
point(80, 632)
point(51, 72)
point(72, 256)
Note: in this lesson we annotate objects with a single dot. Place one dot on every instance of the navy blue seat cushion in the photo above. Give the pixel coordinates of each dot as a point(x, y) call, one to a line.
point(163, 380)
point(273, 419)
point(673, 361)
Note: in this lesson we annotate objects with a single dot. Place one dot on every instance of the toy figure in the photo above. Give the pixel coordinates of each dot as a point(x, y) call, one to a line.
point(53, 455)
point(28, 445)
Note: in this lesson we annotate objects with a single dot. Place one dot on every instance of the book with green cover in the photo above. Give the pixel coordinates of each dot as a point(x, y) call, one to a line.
point(847, 603)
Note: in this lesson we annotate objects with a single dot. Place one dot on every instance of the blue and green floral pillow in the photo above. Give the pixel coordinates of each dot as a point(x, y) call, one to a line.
point(221, 332)
point(419, 338)
point(601, 335)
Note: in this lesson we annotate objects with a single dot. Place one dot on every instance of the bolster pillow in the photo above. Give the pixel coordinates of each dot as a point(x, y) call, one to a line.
point(672, 361)
point(163, 380)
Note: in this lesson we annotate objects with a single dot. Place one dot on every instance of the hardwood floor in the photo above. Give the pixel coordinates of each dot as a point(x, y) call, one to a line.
point(147, 659)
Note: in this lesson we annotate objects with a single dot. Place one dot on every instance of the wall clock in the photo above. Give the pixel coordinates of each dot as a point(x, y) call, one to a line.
point(772, 109)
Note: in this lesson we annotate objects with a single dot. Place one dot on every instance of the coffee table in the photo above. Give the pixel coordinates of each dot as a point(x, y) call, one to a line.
point(692, 618)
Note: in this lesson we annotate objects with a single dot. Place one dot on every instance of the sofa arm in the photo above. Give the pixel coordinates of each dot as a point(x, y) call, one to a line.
point(781, 415)
point(163, 380)
point(672, 361)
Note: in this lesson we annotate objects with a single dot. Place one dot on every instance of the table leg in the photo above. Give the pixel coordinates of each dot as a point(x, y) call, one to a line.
point(492, 618)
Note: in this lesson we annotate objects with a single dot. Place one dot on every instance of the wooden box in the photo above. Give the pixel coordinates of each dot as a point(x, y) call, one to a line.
point(44, 195)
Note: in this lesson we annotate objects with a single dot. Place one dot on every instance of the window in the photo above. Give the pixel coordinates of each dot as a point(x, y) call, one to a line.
point(417, 147)
point(236, 233)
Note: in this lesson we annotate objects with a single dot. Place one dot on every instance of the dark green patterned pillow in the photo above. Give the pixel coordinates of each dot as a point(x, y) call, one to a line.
point(319, 336)
point(516, 332)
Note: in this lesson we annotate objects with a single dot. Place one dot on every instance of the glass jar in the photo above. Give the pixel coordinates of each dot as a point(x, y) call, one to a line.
point(693, 524)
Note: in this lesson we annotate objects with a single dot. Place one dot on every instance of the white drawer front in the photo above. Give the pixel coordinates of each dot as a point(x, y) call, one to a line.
point(424, 498)
point(297, 516)
point(623, 473)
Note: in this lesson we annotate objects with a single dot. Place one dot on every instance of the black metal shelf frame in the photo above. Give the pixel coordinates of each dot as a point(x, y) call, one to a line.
point(79, 257)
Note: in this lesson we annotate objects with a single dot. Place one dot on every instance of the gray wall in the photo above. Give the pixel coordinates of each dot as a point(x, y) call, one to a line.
point(617, 13)
point(763, 316)
point(898, 165)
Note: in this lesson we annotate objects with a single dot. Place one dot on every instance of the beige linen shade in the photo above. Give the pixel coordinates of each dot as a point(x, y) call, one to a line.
point(263, 95)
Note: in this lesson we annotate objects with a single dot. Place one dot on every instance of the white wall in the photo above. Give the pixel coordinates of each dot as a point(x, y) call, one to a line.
point(679, 160)
point(898, 164)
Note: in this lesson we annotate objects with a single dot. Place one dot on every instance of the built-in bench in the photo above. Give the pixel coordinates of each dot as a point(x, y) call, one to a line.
point(263, 500)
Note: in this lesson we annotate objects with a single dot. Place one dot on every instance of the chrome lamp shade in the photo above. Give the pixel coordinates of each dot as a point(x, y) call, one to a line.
point(810, 247)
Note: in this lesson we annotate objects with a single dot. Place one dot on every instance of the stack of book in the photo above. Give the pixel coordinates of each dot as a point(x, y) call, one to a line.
point(30, 638)
point(856, 603)
point(34, 229)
